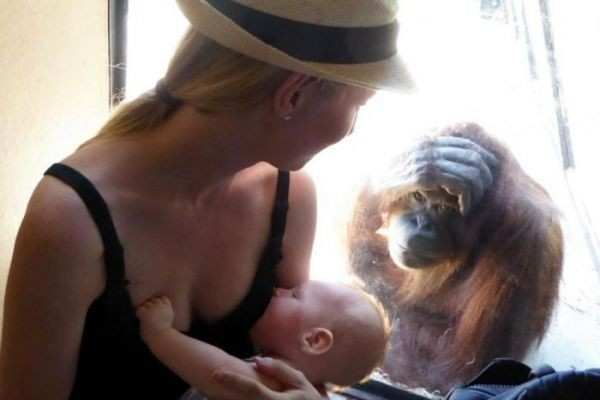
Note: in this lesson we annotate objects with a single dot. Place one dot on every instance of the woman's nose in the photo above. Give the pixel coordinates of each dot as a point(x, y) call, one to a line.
point(366, 95)
point(370, 93)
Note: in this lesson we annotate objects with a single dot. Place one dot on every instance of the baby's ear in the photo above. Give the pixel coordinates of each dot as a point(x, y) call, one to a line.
point(317, 341)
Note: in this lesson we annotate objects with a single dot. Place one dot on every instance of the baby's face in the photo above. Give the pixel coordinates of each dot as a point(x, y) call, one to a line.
point(291, 311)
point(357, 331)
point(309, 303)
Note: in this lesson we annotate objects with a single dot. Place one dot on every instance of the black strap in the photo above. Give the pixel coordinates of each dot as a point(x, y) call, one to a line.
point(113, 251)
point(280, 209)
point(311, 42)
point(258, 298)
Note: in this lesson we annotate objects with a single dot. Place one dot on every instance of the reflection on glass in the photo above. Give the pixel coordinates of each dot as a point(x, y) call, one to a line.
point(479, 60)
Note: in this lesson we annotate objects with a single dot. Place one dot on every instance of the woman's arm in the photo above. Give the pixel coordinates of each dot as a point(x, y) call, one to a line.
point(193, 360)
point(55, 274)
point(294, 268)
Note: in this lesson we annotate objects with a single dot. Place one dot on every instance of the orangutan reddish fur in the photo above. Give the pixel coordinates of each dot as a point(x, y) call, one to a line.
point(494, 300)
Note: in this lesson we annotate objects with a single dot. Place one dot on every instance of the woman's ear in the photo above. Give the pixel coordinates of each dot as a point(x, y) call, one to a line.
point(288, 95)
point(317, 341)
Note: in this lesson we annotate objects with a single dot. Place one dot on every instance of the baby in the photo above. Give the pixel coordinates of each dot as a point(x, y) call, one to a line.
point(332, 333)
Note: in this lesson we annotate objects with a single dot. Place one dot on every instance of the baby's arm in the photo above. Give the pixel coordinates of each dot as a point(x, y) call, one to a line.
point(193, 360)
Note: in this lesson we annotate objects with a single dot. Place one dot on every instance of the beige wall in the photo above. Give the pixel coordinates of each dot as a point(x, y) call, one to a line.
point(54, 94)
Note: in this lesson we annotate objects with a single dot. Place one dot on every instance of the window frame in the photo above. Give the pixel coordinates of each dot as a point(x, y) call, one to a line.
point(117, 50)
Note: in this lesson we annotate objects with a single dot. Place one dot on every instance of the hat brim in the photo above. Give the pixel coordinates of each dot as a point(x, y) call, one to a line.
point(389, 74)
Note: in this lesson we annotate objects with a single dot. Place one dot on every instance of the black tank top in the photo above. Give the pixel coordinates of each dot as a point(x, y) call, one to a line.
point(114, 363)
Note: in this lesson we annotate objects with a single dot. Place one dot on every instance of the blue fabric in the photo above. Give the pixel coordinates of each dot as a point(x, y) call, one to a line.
point(506, 379)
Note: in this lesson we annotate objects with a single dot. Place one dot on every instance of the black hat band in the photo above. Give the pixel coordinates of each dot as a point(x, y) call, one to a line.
point(314, 43)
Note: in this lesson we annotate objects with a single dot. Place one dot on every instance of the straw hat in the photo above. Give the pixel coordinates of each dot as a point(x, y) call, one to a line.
point(349, 41)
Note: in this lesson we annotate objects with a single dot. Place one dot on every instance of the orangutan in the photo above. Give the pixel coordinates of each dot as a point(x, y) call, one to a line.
point(461, 287)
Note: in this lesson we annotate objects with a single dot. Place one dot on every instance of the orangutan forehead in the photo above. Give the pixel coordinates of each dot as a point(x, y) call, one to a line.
point(401, 201)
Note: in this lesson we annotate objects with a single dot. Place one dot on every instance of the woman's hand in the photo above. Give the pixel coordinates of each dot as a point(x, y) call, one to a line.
point(458, 165)
point(296, 386)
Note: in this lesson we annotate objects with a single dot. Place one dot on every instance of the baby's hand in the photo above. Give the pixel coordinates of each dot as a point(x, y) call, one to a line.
point(155, 315)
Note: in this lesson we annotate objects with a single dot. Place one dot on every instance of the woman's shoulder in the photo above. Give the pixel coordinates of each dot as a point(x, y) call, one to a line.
point(264, 175)
point(55, 274)
point(59, 215)
point(259, 183)
point(254, 183)
point(58, 252)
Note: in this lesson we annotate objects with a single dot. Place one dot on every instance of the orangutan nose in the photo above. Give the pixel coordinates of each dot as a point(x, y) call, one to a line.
point(424, 225)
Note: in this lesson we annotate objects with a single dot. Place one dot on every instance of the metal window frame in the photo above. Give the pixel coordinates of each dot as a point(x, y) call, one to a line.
point(117, 50)
point(566, 144)
point(562, 121)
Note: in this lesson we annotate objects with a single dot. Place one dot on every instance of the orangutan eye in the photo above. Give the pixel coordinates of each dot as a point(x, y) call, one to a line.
point(442, 208)
point(418, 197)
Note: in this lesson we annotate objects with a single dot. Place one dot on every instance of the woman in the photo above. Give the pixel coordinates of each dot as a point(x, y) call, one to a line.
point(185, 177)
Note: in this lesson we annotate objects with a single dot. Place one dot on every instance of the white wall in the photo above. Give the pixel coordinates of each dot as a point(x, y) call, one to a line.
point(54, 83)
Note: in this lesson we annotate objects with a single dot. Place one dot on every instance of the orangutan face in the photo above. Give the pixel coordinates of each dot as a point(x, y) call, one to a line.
point(420, 228)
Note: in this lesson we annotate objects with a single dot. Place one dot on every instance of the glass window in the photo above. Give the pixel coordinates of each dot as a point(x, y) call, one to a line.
point(524, 70)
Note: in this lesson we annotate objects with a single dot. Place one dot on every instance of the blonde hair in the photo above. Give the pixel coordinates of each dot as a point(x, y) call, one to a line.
point(360, 342)
point(204, 75)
